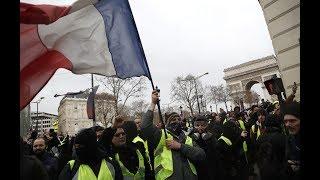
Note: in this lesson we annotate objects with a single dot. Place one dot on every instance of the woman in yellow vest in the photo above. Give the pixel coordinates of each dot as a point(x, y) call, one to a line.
point(132, 154)
point(175, 155)
point(91, 162)
point(258, 128)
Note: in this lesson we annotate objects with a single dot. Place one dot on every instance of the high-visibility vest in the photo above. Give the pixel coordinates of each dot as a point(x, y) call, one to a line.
point(258, 131)
point(244, 145)
point(226, 140)
point(85, 172)
point(224, 121)
point(163, 162)
point(127, 175)
point(145, 144)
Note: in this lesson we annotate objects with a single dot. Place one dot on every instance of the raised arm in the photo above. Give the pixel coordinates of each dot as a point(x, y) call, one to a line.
point(148, 130)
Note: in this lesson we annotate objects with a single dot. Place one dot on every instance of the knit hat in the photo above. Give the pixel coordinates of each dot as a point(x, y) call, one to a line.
point(292, 108)
point(273, 121)
point(172, 116)
point(130, 128)
point(201, 118)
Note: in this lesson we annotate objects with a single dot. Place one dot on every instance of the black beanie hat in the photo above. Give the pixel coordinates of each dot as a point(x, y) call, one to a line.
point(273, 120)
point(86, 137)
point(171, 116)
point(130, 128)
point(201, 118)
point(292, 108)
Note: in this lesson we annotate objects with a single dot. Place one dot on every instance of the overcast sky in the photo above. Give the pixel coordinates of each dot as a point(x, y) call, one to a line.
point(182, 37)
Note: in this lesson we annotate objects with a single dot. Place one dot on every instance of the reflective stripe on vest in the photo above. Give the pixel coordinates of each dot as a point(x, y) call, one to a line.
point(140, 174)
point(226, 140)
point(242, 125)
point(225, 120)
point(85, 172)
point(258, 131)
point(145, 144)
point(244, 145)
point(189, 142)
point(163, 163)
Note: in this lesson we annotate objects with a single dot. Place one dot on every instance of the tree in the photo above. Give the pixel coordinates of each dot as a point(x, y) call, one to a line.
point(224, 94)
point(251, 97)
point(123, 90)
point(138, 107)
point(104, 109)
point(213, 94)
point(183, 91)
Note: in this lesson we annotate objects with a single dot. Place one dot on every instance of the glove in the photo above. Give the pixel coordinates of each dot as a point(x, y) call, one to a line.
point(206, 136)
point(197, 135)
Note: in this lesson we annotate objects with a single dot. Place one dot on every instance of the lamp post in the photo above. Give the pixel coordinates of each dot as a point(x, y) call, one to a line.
point(37, 102)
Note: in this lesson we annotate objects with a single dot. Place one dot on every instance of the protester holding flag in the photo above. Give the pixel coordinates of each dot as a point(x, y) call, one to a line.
point(175, 155)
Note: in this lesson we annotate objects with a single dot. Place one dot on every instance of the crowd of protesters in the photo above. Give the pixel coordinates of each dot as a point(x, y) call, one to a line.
point(261, 143)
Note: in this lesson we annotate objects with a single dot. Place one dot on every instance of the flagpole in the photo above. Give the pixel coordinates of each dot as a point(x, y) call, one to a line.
point(93, 111)
point(150, 78)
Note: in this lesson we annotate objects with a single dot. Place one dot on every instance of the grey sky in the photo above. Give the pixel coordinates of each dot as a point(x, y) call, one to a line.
point(181, 37)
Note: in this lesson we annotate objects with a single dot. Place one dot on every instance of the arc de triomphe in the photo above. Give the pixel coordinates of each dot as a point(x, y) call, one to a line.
point(242, 77)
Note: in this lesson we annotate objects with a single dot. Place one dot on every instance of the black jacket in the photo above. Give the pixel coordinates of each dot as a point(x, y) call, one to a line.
point(51, 165)
point(207, 170)
point(229, 160)
point(293, 153)
point(270, 155)
point(32, 169)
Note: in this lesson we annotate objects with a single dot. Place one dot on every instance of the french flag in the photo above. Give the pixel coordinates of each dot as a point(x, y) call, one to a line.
point(97, 37)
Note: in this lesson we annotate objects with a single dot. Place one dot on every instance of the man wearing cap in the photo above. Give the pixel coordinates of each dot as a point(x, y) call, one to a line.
point(174, 156)
point(292, 123)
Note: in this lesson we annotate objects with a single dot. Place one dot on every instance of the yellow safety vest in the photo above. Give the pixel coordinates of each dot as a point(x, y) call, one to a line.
point(140, 174)
point(145, 144)
point(225, 120)
point(244, 145)
point(163, 162)
point(226, 140)
point(85, 172)
point(258, 131)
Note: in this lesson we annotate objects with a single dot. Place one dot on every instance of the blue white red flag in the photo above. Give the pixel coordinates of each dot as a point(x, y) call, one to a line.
point(98, 37)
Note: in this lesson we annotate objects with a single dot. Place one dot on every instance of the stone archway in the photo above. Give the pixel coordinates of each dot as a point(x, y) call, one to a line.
point(249, 85)
point(242, 77)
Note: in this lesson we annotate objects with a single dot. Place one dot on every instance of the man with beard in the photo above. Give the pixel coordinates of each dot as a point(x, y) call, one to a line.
point(292, 123)
point(174, 155)
point(207, 170)
point(91, 162)
point(30, 167)
point(49, 162)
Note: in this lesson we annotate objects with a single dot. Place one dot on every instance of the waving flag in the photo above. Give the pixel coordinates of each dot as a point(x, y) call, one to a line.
point(86, 37)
